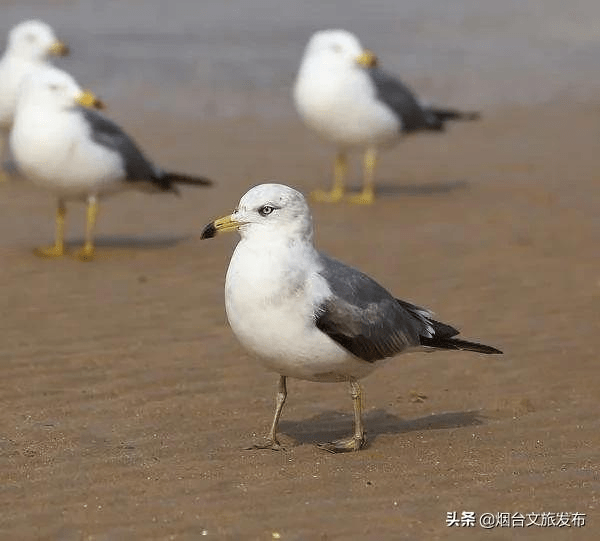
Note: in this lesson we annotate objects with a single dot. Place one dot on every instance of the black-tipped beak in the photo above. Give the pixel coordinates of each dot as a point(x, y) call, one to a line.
point(227, 223)
point(209, 231)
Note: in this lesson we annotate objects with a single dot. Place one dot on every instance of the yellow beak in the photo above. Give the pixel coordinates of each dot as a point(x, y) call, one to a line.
point(59, 48)
point(227, 223)
point(367, 59)
point(88, 99)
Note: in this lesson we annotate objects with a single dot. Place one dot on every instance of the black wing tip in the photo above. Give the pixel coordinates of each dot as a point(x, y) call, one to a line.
point(458, 344)
point(209, 231)
point(190, 180)
point(443, 115)
point(482, 348)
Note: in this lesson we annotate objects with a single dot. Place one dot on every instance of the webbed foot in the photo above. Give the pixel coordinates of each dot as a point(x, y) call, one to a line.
point(85, 254)
point(321, 196)
point(274, 445)
point(346, 445)
point(50, 252)
point(362, 198)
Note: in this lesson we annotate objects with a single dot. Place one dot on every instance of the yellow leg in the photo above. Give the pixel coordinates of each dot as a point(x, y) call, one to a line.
point(367, 196)
point(340, 167)
point(358, 440)
point(59, 243)
point(86, 253)
point(3, 174)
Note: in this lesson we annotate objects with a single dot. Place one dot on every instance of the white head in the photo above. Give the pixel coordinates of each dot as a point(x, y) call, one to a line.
point(338, 49)
point(268, 210)
point(35, 41)
point(54, 89)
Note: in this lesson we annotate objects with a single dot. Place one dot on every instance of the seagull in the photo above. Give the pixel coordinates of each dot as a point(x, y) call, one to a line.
point(342, 94)
point(308, 316)
point(29, 46)
point(61, 142)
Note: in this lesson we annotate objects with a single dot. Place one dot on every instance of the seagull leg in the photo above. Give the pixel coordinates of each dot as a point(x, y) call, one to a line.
point(3, 174)
point(59, 243)
point(340, 167)
point(271, 441)
point(358, 440)
point(367, 196)
point(86, 253)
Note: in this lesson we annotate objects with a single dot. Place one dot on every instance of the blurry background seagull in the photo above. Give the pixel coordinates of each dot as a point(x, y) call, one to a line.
point(61, 143)
point(28, 48)
point(343, 95)
point(308, 316)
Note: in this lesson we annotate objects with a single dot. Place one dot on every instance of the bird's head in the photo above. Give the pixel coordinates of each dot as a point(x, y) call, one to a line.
point(55, 89)
point(268, 210)
point(35, 41)
point(339, 48)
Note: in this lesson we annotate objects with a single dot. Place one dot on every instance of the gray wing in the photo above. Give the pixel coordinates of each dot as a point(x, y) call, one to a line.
point(403, 102)
point(106, 133)
point(368, 321)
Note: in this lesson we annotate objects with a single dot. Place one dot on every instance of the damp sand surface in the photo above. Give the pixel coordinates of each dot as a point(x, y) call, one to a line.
point(126, 402)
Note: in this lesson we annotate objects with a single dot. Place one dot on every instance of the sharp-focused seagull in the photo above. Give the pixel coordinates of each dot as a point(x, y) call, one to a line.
point(60, 142)
point(29, 46)
point(308, 316)
point(341, 94)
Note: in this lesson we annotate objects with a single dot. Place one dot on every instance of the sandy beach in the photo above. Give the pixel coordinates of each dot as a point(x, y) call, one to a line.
point(125, 400)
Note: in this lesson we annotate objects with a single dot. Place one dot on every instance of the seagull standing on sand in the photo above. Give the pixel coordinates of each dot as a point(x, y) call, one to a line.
point(28, 48)
point(308, 316)
point(61, 143)
point(341, 94)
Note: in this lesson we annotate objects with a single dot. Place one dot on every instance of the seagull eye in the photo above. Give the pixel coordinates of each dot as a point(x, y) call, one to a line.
point(265, 210)
point(54, 88)
point(30, 37)
point(336, 48)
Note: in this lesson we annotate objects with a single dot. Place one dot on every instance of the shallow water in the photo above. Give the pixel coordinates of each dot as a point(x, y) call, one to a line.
point(236, 58)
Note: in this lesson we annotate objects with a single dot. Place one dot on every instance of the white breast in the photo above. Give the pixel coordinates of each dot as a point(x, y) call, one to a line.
point(271, 302)
point(342, 106)
point(55, 150)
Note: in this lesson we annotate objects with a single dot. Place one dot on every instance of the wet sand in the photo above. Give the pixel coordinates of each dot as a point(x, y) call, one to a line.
point(126, 400)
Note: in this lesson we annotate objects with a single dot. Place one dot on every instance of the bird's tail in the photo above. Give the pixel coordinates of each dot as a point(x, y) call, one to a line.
point(457, 343)
point(179, 178)
point(437, 117)
point(454, 114)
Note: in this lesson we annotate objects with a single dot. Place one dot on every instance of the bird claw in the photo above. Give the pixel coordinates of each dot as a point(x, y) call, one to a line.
point(86, 254)
point(321, 196)
point(353, 443)
point(49, 252)
point(363, 198)
point(274, 445)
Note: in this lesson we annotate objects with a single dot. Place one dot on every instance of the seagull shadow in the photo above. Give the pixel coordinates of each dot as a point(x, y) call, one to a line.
point(332, 425)
point(428, 188)
point(9, 169)
point(126, 242)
